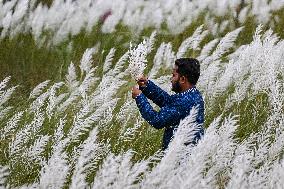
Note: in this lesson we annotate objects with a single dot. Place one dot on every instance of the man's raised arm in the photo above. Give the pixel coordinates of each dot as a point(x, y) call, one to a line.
point(153, 92)
point(167, 116)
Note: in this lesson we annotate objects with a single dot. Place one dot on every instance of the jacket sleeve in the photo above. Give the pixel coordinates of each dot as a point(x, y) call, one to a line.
point(167, 116)
point(155, 93)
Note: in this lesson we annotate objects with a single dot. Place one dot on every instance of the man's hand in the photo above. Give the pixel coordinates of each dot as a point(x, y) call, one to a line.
point(135, 91)
point(142, 81)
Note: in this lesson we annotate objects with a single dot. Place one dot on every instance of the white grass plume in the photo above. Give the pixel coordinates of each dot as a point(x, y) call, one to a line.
point(207, 49)
point(192, 41)
point(24, 135)
point(52, 99)
point(107, 88)
point(4, 83)
point(90, 152)
point(68, 102)
point(259, 177)
point(119, 65)
point(276, 175)
point(4, 173)
point(157, 61)
point(79, 89)
point(86, 63)
point(240, 167)
point(243, 15)
point(54, 172)
point(40, 101)
point(169, 55)
point(12, 125)
point(5, 111)
point(83, 122)
point(6, 95)
point(220, 163)
point(38, 89)
point(71, 78)
point(49, 96)
point(137, 60)
point(6, 7)
point(88, 81)
point(130, 132)
point(127, 110)
point(151, 41)
point(119, 172)
point(34, 153)
point(226, 43)
point(59, 132)
point(137, 57)
point(276, 147)
point(108, 60)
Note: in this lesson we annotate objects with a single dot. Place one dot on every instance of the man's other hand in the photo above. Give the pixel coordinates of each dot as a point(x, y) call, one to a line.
point(142, 81)
point(135, 91)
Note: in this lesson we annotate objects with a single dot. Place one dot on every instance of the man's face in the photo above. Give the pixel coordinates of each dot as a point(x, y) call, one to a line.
point(175, 80)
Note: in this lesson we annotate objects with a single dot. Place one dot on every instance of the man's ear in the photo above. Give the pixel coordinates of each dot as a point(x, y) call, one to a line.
point(183, 79)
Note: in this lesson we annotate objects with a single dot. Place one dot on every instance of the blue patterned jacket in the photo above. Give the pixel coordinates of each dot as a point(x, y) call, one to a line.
point(174, 108)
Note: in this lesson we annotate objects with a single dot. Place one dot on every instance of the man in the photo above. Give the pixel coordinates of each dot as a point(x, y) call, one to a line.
point(175, 107)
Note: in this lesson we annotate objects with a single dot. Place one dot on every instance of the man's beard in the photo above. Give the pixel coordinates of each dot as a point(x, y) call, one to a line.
point(176, 87)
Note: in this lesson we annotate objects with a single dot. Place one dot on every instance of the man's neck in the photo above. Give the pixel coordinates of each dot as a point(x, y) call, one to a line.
point(186, 87)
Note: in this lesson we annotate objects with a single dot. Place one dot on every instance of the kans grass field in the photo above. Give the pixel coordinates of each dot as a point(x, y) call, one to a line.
point(67, 119)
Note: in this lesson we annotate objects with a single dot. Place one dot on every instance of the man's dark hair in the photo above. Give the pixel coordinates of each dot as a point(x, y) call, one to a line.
point(190, 68)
